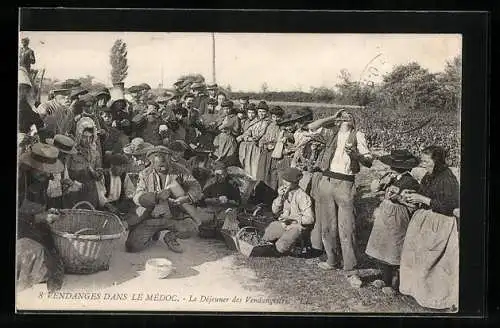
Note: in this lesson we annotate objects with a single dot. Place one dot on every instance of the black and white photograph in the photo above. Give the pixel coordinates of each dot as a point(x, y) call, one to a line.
point(238, 172)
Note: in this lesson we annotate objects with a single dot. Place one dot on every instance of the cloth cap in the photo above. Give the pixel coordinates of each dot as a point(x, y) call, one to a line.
point(291, 174)
point(157, 150)
point(197, 85)
point(43, 157)
point(227, 103)
point(212, 86)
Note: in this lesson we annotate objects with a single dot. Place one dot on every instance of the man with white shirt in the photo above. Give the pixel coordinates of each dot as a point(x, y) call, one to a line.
point(157, 207)
point(334, 189)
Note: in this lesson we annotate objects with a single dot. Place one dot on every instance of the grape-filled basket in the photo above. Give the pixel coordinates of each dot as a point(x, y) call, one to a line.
point(249, 243)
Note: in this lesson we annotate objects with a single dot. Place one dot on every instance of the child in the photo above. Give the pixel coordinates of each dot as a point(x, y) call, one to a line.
point(392, 216)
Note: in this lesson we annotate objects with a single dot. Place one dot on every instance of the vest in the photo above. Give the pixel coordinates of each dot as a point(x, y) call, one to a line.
point(325, 159)
point(107, 182)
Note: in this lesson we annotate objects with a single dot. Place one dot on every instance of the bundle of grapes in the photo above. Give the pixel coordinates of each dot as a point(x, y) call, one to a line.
point(249, 242)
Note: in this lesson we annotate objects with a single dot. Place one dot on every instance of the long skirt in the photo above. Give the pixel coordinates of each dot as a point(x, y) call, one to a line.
point(249, 155)
point(429, 260)
point(265, 172)
point(388, 233)
point(226, 149)
point(31, 263)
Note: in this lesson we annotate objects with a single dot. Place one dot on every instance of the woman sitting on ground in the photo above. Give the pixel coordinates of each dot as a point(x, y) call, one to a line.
point(392, 217)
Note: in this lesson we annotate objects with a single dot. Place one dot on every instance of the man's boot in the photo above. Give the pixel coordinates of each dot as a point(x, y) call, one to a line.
point(171, 240)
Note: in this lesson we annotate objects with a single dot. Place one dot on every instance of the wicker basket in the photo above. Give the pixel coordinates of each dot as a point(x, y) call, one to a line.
point(86, 239)
point(250, 250)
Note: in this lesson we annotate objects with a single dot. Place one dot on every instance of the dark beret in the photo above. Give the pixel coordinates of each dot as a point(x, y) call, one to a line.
point(277, 110)
point(263, 105)
point(251, 106)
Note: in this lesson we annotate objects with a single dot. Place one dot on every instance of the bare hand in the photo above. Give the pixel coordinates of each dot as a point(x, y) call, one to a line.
point(223, 199)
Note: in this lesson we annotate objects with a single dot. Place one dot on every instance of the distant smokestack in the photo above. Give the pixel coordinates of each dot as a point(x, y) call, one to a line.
point(213, 58)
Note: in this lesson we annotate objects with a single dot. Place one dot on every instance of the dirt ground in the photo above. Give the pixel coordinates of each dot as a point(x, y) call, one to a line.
point(210, 277)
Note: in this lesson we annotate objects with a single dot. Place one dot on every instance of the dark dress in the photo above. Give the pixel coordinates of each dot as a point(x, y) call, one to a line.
point(429, 260)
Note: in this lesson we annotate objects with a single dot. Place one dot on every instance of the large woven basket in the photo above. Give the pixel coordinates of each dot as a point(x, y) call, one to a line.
point(250, 250)
point(86, 239)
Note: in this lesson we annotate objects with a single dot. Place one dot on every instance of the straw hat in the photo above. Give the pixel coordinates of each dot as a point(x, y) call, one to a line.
point(64, 143)
point(137, 147)
point(44, 158)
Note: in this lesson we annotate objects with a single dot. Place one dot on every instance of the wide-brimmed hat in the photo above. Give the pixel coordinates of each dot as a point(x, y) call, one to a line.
point(165, 97)
point(137, 147)
point(300, 114)
point(64, 92)
point(400, 159)
point(64, 143)
point(77, 91)
point(291, 174)
point(157, 150)
point(101, 92)
point(44, 158)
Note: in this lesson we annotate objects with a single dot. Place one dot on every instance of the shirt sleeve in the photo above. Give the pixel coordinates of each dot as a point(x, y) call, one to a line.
point(140, 188)
point(305, 206)
point(446, 196)
point(362, 144)
point(277, 205)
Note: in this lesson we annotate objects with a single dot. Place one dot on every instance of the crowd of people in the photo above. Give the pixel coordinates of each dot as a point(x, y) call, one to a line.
point(162, 164)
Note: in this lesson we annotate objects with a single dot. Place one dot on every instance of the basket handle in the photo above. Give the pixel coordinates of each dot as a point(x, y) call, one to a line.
point(84, 202)
point(82, 230)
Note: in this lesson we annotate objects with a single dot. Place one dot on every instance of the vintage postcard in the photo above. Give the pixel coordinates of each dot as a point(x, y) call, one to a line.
point(242, 172)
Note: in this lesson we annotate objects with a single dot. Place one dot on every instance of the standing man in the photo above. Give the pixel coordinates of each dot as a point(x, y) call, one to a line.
point(334, 189)
point(192, 120)
point(212, 91)
point(243, 102)
point(26, 55)
point(200, 98)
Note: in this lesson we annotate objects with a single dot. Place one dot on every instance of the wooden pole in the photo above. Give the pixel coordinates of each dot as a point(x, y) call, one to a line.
point(213, 58)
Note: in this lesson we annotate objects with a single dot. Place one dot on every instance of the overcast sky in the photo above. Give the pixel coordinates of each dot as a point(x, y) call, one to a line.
point(243, 60)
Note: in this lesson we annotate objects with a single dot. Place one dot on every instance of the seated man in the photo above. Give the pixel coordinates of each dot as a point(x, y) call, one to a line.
point(220, 195)
point(295, 211)
point(158, 209)
point(114, 180)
